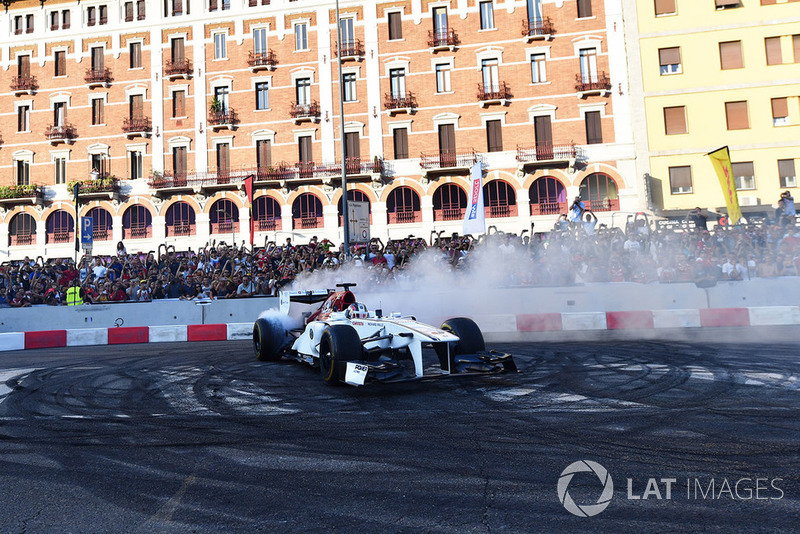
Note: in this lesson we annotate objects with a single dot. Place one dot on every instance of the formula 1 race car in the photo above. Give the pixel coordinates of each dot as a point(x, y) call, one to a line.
point(354, 346)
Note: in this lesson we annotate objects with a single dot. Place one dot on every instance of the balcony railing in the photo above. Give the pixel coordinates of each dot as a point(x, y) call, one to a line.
point(61, 133)
point(548, 208)
point(602, 204)
point(20, 194)
point(140, 232)
point(546, 152)
point(440, 39)
point(223, 119)
point(180, 230)
point(533, 29)
point(308, 112)
point(262, 60)
point(447, 160)
point(351, 49)
point(585, 84)
point(137, 126)
point(20, 240)
point(267, 225)
point(178, 68)
point(60, 237)
point(101, 234)
point(307, 222)
point(224, 227)
point(500, 211)
point(403, 217)
point(101, 186)
point(449, 214)
point(493, 92)
point(400, 103)
point(95, 77)
point(24, 84)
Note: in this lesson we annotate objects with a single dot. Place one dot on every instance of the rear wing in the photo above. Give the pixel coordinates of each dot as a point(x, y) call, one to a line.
point(304, 297)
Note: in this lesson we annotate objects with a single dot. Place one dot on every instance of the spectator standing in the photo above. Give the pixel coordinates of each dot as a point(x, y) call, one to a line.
point(576, 210)
point(589, 223)
point(247, 288)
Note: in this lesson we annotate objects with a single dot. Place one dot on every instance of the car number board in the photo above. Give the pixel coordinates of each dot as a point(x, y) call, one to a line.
point(356, 374)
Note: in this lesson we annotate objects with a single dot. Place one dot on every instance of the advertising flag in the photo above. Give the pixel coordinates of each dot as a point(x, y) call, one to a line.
point(721, 161)
point(248, 188)
point(475, 218)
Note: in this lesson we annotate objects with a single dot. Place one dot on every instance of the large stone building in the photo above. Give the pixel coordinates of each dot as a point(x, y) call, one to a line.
point(716, 73)
point(161, 109)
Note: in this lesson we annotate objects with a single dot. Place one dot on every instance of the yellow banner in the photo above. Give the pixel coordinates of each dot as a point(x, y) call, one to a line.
point(721, 161)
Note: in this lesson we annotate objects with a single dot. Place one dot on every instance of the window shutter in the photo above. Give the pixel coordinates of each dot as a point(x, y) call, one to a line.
point(494, 136)
point(786, 168)
point(664, 7)
point(400, 143)
point(726, 3)
point(128, 11)
point(594, 130)
point(675, 120)
point(780, 108)
point(584, 8)
point(264, 155)
point(730, 55)
point(680, 178)
point(736, 115)
point(768, 2)
point(796, 47)
point(395, 26)
point(669, 56)
point(305, 148)
point(773, 46)
point(744, 168)
point(352, 146)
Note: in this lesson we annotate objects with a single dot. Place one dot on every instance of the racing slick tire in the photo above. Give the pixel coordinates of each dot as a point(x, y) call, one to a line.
point(265, 343)
point(470, 341)
point(340, 344)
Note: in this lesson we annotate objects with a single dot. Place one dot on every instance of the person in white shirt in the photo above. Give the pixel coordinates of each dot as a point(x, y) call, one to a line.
point(589, 223)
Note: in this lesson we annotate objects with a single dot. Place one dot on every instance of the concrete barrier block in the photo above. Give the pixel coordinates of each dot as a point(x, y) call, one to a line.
point(584, 321)
point(240, 330)
point(45, 339)
point(725, 317)
point(676, 318)
point(128, 334)
point(12, 341)
point(629, 320)
point(496, 323)
point(539, 322)
point(207, 332)
point(774, 315)
point(159, 334)
point(79, 337)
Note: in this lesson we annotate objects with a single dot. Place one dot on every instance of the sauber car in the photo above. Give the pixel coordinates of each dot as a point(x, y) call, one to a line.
point(355, 346)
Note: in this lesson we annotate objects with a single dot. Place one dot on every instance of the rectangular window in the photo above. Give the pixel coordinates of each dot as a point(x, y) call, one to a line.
point(178, 103)
point(178, 50)
point(780, 111)
point(103, 12)
point(135, 164)
point(725, 4)
point(349, 81)
point(443, 78)
point(487, 15)
point(744, 175)
point(263, 153)
point(304, 148)
point(675, 120)
point(594, 128)
point(300, 36)
point(54, 20)
point(23, 66)
point(136, 106)
point(588, 59)
point(400, 143)
point(98, 59)
point(212, 5)
point(140, 9)
point(440, 22)
point(23, 118)
point(97, 111)
point(91, 16)
point(348, 31)
point(177, 7)
point(786, 172)
point(223, 158)
point(221, 94)
point(395, 26)
point(490, 75)
point(65, 19)
point(796, 48)
point(584, 8)
point(352, 146)
point(494, 136)
point(135, 50)
point(220, 51)
point(128, 11)
point(23, 172)
point(28, 23)
point(18, 25)
point(397, 82)
point(538, 71)
point(60, 63)
point(260, 41)
point(773, 48)
point(59, 113)
point(736, 115)
point(262, 95)
point(179, 161)
point(61, 170)
point(680, 180)
point(669, 60)
point(730, 55)
point(303, 91)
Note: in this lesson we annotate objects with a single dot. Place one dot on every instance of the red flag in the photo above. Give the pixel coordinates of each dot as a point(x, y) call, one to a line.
point(248, 188)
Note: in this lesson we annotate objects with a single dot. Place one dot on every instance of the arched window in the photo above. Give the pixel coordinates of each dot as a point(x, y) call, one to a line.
point(137, 223)
point(403, 206)
point(60, 227)
point(449, 203)
point(548, 196)
point(356, 196)
point(22, 230)
point(180, 220)
point(500, 199)
point(599, 192)
point(101, 224)
point(266, 214)
point(224, 217)
point(307, 212)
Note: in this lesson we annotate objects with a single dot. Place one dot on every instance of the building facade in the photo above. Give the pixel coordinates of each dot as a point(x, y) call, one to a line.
point(717, 73)
point(159, 110)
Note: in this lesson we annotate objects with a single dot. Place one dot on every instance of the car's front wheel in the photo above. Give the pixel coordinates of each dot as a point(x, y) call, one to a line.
point(470, 341)
point(265, 341)
point(339, 344)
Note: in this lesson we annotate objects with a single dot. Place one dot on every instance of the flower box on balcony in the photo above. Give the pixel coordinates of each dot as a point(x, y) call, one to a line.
point(101, 188)
point(21, 194)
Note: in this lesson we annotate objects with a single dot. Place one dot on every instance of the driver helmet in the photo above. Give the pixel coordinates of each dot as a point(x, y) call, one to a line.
point(356, 310)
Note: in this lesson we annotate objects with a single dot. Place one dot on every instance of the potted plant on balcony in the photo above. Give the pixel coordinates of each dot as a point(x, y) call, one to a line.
point(19, 191)
point(216, 105)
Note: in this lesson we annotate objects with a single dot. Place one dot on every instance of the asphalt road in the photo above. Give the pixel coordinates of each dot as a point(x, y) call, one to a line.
point(202, 438)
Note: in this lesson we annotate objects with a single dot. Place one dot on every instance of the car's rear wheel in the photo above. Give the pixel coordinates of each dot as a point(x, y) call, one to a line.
point(265, 341)
point(339, 344)
point(470, 341)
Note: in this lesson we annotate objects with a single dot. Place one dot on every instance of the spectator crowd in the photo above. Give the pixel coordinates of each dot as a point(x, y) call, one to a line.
point(576, 250)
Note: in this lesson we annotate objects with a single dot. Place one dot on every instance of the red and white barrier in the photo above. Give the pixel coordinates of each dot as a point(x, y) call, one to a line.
point(492, 324)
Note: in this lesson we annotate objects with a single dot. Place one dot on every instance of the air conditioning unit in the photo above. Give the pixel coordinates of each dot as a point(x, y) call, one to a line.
point(748, 201)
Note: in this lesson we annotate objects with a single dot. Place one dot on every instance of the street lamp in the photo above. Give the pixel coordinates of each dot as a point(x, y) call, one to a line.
point(345, 222)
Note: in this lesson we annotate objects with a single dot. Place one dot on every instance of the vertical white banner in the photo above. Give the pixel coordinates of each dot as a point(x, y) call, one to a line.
point(475, 218)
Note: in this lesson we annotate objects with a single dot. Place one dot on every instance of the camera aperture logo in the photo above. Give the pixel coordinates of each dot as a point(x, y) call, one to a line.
point(585, 510)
